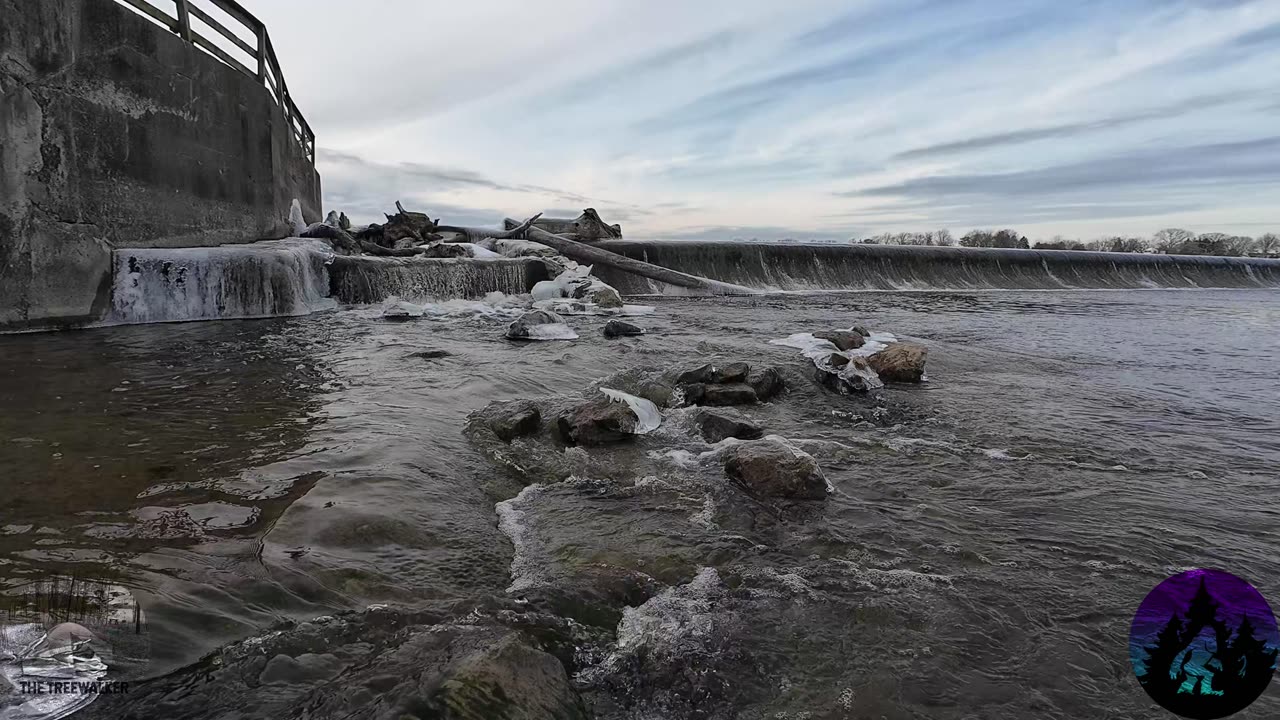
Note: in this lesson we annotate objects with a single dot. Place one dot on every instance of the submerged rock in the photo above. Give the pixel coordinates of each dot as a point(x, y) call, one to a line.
point(430, 354)
point(618, 328)
point(718, 425)
point(900, 362)
point(509, 681)
point(771, 468)
point(540, 325)
point(597, 422)
point(843, 339)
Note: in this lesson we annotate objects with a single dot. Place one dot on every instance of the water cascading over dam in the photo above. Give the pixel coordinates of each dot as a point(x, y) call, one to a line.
point(290, 277)
point(814, 267)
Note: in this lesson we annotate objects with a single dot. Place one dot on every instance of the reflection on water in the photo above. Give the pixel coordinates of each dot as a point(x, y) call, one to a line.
point(991, 533)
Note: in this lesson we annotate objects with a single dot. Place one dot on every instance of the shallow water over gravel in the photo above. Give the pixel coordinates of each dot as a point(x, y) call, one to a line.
point(990, 534)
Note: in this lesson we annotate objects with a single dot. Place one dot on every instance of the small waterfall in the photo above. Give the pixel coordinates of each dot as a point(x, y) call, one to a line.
point(810, 267)
point(264, 279)
point(362, 279)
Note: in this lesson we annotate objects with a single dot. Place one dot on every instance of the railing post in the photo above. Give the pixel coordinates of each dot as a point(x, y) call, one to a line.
point(262, 53)
point(184, 20)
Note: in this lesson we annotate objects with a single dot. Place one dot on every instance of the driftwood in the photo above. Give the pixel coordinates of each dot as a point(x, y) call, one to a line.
point(585, 228)
point(338, 238)
point(375, 249)
point(473, 235)
point(584, 253)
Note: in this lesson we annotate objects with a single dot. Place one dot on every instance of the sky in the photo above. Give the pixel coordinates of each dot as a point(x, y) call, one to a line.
point(823, 119)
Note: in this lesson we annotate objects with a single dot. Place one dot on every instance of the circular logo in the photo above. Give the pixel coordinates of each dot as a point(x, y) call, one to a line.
point(1203, 644)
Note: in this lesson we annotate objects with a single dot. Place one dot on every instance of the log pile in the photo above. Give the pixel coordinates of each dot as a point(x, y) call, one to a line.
point(415, 234)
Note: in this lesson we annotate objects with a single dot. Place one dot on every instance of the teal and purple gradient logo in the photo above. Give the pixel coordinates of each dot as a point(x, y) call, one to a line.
point(1203, 644)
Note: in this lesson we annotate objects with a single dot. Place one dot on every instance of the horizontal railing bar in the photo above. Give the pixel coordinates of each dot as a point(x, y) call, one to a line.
point(154, 13)
point(237, 11)
point(211, 22)
point(222, 55)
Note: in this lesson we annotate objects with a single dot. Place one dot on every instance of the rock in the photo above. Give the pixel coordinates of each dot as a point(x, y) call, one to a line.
point(540, 325)
point(720, 395)
point(733, 373)
point(837, 360)
point(400, 311)
point(617, 328)
point(598, 293)
point(770, 468)
point(900, 362)
point(508, 681)
point(704, 374)
point(768, 384)
point(446, 250)
point(430, 354)
point(843, 339)
point(718, 425)
point(861, 330)
point(845, 374)
point(510, 420)
point(598, 422)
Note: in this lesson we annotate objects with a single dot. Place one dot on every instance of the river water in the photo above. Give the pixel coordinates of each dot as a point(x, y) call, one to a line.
point(990, 534)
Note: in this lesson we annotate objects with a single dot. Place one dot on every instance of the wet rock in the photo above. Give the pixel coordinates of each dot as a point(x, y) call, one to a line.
point(845, 374)
point(304, 669)
point(768, 383)
point(536, 325)
point(597, 292)
point(617, 328)
point(843, 339)
point(900, 362)
point(861, 330)
point(512, 419)
point(718, 425)
point(720, 395)
point(430, 354)
point(598, 422)
point(837, 360)
point(446, 250)
point(732, 373)
point(770, 468)
point(508, 681)
point(595, 594)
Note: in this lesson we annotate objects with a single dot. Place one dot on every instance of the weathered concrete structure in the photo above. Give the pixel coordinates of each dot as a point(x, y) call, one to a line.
point(114, 132)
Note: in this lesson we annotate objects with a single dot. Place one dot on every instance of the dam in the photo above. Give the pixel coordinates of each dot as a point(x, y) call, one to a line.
point(801, 267)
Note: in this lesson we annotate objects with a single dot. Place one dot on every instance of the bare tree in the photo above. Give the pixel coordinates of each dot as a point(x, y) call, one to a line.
point(1267, 244)
point(1173, 240)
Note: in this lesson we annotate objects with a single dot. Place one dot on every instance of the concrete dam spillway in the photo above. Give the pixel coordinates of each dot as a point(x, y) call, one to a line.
point(799, 267)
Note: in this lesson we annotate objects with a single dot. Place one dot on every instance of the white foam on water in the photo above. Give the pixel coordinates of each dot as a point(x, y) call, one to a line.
point(1002, 454)
point(525, 570)
point(552, 331)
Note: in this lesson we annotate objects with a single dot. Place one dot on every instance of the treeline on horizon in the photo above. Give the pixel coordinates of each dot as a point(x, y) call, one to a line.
point(1172, 241)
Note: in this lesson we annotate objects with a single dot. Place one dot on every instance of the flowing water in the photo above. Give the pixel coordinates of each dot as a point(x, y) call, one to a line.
point(990, 534)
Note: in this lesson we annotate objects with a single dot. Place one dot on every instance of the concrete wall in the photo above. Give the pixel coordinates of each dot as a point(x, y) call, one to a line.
point(116, 133)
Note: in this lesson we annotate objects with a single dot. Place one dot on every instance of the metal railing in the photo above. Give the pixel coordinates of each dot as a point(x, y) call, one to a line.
point(268, 66)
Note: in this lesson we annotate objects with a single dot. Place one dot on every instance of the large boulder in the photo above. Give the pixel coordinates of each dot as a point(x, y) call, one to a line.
point(540, 325)
point(843, 339)
point(597, 422)
point(716, 425)
point(900, 362)
point(618, 328)
point(770, 468)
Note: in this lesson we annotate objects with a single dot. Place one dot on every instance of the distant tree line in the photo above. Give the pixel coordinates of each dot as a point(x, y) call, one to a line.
point(1173, 241)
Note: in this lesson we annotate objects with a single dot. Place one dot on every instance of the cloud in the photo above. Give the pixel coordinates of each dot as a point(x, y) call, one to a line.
point(1067, 130)
point(1248, 161)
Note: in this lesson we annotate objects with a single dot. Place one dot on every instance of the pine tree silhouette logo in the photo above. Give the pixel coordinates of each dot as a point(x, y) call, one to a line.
point(1203, 644)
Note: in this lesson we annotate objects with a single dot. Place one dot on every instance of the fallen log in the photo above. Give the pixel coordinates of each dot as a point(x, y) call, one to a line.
point(374, 249)
point(475, 235)
point(587, 254)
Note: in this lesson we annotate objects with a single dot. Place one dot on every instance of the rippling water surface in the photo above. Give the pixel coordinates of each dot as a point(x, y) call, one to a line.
point(990, 535)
